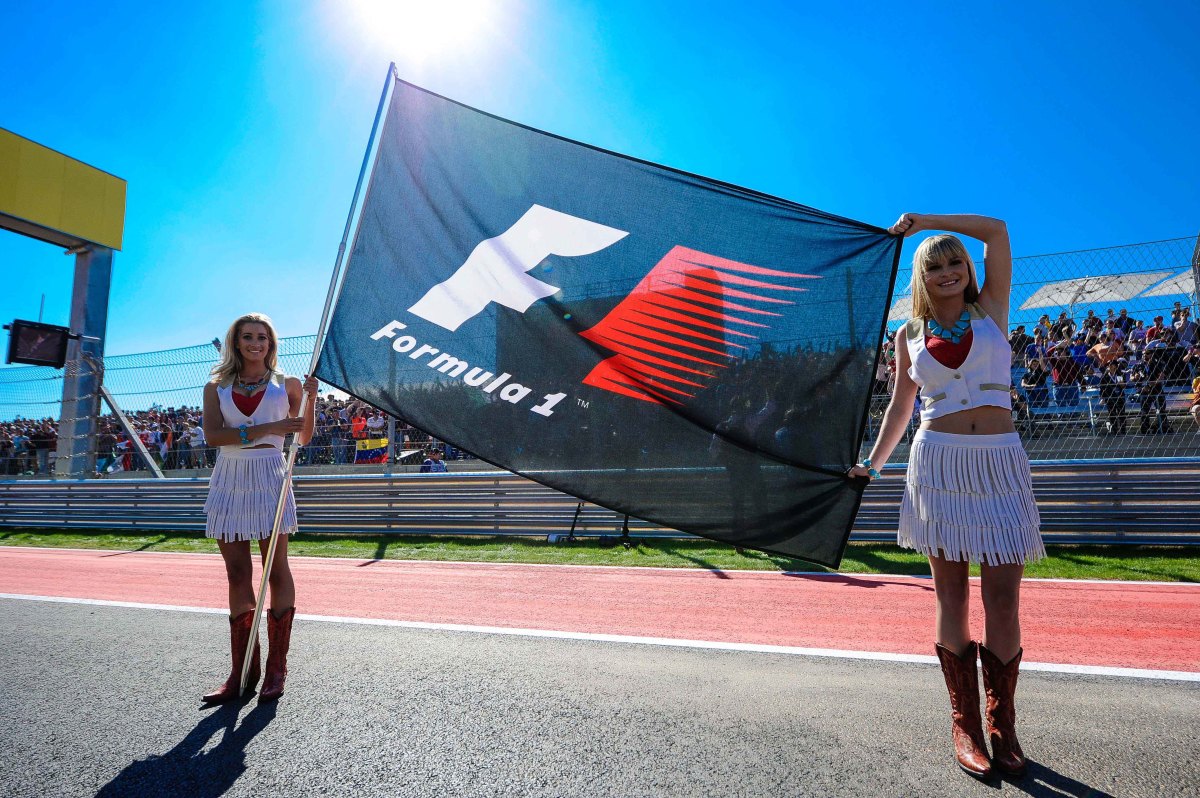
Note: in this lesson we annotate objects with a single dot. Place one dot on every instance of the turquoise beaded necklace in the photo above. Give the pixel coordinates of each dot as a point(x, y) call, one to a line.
point(952, 334)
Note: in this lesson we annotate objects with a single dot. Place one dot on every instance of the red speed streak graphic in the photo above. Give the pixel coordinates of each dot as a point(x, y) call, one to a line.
point(673, 333)
point(1127, 625)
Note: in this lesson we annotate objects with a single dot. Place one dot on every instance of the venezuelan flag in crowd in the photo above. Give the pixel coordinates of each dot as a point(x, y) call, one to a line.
point(371, 450)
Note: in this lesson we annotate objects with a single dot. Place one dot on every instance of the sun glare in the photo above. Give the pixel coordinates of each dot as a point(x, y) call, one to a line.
point(420, 30)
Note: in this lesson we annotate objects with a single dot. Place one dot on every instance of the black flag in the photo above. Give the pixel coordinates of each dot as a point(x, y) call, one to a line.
point(679, 349)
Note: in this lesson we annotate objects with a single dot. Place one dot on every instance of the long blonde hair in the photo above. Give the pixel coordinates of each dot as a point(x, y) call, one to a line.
point(935, 251)
point(231, 359)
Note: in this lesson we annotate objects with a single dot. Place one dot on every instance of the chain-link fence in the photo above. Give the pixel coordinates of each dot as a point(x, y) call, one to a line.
point(1105, 352)
point(1105, 356)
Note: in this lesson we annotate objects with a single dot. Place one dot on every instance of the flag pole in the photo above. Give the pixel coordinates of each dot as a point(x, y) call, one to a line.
point(330, 303)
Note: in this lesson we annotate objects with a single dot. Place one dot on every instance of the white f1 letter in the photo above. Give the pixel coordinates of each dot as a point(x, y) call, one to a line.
point(496, 269)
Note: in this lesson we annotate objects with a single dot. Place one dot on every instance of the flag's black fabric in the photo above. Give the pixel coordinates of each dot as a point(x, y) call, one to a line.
point(675, 348)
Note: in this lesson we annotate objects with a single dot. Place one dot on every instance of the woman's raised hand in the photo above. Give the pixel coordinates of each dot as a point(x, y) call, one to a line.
point(907, 224)
point(311, 386)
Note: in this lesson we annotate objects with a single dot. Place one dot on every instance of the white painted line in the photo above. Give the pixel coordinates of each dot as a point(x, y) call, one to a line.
point(759, 648)
point(137, 605)
point(636, 568)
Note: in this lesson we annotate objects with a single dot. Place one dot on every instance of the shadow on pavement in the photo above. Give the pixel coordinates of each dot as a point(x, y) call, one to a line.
point(187, 769)
point(1042, 782)
point(143, 547)
point(851, 581)
point(712, 568)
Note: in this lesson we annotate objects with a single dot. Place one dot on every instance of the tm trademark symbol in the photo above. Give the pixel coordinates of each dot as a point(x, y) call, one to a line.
point(582, 402)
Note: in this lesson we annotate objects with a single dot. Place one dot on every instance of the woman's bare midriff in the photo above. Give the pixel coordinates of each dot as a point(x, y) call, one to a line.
point(976, 421)
point(260, 446)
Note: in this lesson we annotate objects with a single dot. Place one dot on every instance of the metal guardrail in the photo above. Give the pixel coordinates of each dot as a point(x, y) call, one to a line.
point(1155, 502)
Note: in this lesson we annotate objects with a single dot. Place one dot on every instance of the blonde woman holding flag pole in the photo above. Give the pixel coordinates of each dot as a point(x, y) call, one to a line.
point(249, 409)
point(968, 495)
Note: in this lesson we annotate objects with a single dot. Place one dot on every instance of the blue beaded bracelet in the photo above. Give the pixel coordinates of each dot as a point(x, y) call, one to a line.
point(242, 434)
point(871, 471)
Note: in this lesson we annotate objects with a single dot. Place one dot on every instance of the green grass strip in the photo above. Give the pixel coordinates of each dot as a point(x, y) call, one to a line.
point(1165, 564)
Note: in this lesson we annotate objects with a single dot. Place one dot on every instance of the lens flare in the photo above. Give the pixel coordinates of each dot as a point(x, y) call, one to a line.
point(420, 30)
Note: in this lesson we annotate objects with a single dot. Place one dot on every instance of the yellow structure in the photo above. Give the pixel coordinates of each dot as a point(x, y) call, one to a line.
point(52, 197)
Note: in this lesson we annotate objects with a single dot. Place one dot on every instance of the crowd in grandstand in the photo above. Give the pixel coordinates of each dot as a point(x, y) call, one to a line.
point(174, 437)
point(1129, 368)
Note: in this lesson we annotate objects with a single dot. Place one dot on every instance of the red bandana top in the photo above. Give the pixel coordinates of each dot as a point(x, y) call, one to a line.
point(248, 404)
point(949, 355)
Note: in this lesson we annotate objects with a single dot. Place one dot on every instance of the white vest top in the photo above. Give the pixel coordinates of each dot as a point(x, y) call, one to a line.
point(983, 379)
point(274, 406)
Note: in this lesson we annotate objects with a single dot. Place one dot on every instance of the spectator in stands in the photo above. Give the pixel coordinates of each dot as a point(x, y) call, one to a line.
point(197, 458)
point(433, 462)
point(319, 446)
point(43, 440)
point(1067, 373)
point(106, 443)
point(1106, 351)
point(1124, 323)
point(1092, 322)
point(1063, 327)
point(1020, 409)
point(1116, 332)
point(1043, 325)
point(1138, 333)
point(1173, 357)
point(1185, 328)
point(967, 448)
point(166, 438)
point(881, 370)
point(150, 438)
point(790, 436)
point(339, 439)
point(1176, 312)
point(358, 425)
point(766, 419)
point(1033, 382)
point(6, 453)
point(21, 451)
point(1155, 329)
point(1019, 342)
point(1149, 377)
point(1079, 351)
point(1036, 350)
point(123, 456)
point(183, 439)
point(1192, 358)
point(376, 425)
point(1112, 394)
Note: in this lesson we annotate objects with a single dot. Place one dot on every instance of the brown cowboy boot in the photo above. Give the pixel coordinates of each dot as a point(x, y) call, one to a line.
point(279, 637)
point(963, 684)
point(239, 639)
point(1000, 683)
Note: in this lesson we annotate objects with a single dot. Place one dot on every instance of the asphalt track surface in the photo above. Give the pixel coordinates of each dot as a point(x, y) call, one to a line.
point(389, 694)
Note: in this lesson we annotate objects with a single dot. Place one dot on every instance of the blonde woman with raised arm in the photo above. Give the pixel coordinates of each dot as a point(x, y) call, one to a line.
point(249, 408)
point(968, 495)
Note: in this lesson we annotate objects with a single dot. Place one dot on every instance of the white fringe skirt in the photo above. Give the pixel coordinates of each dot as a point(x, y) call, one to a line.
point(970, 497)
point(242, 493)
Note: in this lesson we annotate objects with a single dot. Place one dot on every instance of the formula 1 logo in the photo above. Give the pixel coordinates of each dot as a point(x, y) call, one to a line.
point(496, 270)
point(670, 336)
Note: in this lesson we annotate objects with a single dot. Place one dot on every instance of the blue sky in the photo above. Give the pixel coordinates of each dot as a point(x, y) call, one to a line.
point(240, 127)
